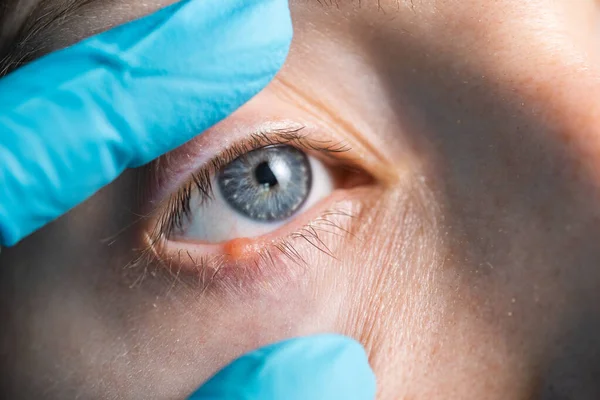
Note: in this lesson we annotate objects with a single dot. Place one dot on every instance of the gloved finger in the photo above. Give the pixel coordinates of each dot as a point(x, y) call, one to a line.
point(315, 367)
point(73, 120)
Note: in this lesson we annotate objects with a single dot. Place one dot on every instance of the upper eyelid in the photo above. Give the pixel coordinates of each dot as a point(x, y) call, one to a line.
point(289, 136)
point(171, 171)
point(292, 137)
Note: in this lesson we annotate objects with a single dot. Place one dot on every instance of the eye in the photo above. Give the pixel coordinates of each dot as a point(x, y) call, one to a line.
point(237, 204)
point(255, 194)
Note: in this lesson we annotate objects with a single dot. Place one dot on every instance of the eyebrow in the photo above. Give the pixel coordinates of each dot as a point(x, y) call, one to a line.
point(20, 43)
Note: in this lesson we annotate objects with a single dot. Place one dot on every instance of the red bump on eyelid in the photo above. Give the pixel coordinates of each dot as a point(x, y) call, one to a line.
point(237, 248)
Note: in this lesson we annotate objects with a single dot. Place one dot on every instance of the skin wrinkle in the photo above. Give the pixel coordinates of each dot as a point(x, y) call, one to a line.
point(320, 110)
point(385, 287)
point(386, 296)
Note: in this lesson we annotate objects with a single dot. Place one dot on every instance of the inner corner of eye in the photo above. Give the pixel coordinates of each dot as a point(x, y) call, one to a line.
point(257, 193)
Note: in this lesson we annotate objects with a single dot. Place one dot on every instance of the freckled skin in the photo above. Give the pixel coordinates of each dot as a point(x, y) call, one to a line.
point(471, 267)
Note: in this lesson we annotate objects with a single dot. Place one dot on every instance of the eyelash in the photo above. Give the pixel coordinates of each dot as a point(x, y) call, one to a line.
point(178, 206)
point(208, 267)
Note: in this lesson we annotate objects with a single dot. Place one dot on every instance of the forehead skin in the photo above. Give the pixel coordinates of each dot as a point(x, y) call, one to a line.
point(481, 279)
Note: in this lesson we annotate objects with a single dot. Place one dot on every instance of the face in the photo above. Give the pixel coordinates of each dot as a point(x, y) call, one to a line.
point(421, 176)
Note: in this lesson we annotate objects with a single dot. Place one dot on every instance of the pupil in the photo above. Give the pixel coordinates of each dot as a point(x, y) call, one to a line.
point(264, 175)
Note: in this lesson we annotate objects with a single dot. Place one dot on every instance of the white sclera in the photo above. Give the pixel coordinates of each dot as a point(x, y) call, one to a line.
point(216, 221)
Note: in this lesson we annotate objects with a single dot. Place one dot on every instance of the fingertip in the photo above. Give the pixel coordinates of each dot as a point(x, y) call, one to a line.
point(314, 367)
point(73, 120)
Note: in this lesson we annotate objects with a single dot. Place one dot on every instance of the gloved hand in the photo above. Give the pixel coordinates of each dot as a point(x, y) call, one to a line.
point(73, 120)
point(321, 367)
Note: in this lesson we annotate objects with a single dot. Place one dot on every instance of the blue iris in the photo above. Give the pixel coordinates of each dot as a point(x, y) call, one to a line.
point(267, 184)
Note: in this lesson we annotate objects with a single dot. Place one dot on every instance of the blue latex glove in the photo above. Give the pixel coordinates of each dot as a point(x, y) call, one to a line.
point(73, 120)
point(322, 367)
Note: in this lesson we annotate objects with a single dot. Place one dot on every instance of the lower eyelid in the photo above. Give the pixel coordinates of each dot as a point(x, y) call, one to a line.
point(243, 262)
